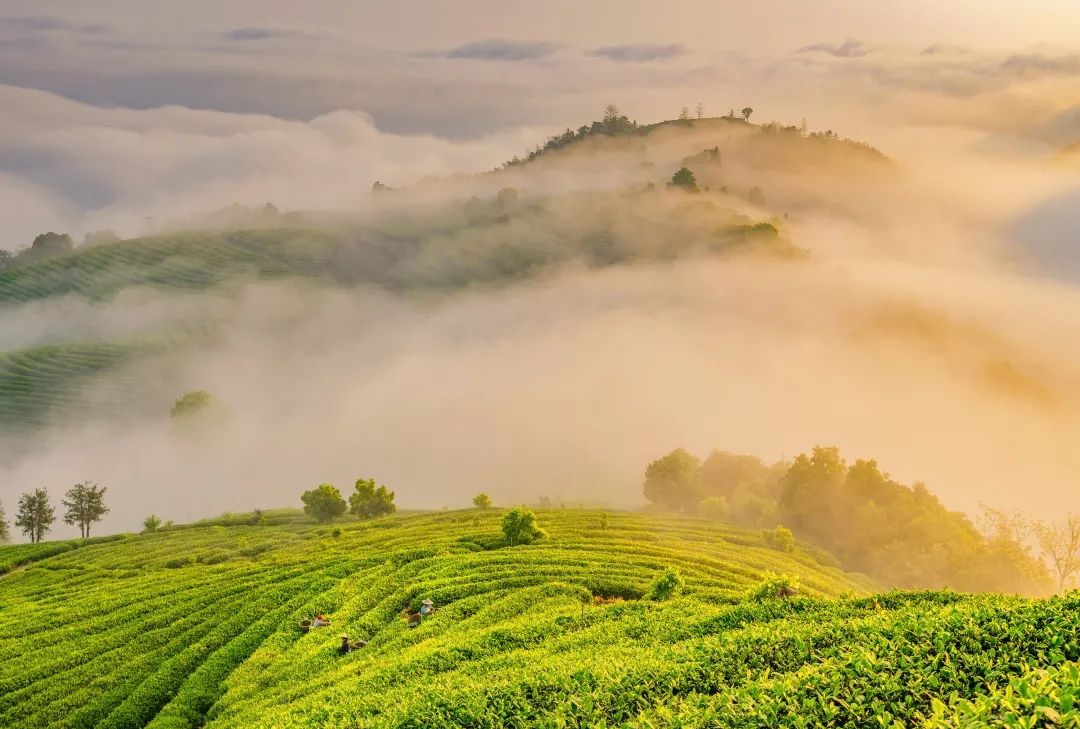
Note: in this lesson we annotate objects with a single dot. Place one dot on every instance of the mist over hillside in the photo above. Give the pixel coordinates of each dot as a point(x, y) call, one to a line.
point(545, 328)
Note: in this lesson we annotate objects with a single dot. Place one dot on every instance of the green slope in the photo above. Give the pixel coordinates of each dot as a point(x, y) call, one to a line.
point(198, 627)
point(191, 260)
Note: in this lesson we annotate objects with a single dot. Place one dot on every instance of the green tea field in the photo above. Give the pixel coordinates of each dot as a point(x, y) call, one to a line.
point(199, 626)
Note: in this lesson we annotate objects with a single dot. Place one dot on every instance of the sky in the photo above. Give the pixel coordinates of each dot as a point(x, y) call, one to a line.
point(113, 111)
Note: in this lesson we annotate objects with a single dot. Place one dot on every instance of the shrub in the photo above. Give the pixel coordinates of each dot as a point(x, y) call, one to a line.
point(180, 561)
point(779, 538)
point(151, 524)
point(771, 587)
point(214, 556)
point(666, 586)
point(519, 527)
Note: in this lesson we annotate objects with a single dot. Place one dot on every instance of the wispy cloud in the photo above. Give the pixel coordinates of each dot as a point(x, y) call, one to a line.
point(47, 24)
point(850, 48)
point(640, 52)
point(499, 49)
point(256, 34)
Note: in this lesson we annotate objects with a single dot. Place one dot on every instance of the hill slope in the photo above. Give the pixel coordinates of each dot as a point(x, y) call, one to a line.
point(198, 627)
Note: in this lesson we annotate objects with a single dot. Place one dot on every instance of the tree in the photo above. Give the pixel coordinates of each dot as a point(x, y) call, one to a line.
point(714, 507)
point(1060, 545)
point(6, 258)
point(193, 403)
point(611, 114)
point(684, 179)
point(746, 112)
point(5, 533)
point(482, 501)
point(258, 517)
point(519, 526)
point(684, 114)
point(85, 503)
point(324, 503)
point(36, 515)
point(700, 110)
point(369, 502)
point(151, 524)
point(674, 481)
point(50, 244)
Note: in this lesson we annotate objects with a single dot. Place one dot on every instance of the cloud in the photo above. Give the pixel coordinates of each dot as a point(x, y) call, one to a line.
point(850, 48)
point(47, 24)
point(640, 52)
point(1027, 64)
point(88, 167)
point(500, 49)
point(255, 34)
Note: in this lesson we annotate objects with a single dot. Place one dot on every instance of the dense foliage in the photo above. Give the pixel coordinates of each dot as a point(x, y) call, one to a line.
point(369, 501)
point(324, 503)
point(198, 627)
point(901, 535)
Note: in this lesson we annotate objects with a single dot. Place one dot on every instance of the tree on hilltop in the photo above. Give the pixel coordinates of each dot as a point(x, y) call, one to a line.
point(519, 526)
point(85, 504)
point(746, 112)
point(36, 515)
point(482, 501)
point(369, 502)
point(151, 524)
point(5, 533)
point(324, 503)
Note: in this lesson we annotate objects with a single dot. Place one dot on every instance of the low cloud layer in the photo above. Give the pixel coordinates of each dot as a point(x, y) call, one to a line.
point(641, 52)
point(500, 49)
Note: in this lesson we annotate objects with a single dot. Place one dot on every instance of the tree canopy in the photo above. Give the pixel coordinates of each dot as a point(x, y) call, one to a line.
point(519, 526)
point(900, 535)
point(323, 503)
point(370, 501)
point(684, 179)
point(193, 403)
point(36, 515)
point(85, 504)
point(674, 481)
point(482, 501)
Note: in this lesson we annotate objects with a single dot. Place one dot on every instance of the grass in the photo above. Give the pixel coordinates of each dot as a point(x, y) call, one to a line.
point(197, 626)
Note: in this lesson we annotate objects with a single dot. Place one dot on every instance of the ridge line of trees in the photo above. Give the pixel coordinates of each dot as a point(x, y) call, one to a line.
point(901, 535)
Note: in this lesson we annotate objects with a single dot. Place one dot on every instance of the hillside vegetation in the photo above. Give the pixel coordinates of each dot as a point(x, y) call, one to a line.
point(199, 626)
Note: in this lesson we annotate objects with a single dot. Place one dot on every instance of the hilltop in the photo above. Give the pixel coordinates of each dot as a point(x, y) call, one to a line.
point(198, 626)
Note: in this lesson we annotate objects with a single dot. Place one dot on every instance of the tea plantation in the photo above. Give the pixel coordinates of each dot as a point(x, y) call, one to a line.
point(198, 626)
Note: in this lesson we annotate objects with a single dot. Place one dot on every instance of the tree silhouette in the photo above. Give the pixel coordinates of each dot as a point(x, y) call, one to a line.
point(36, 515)
point(85, 504)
